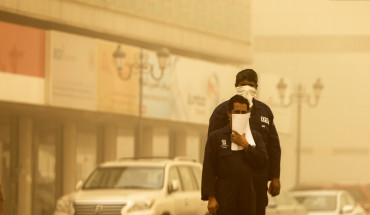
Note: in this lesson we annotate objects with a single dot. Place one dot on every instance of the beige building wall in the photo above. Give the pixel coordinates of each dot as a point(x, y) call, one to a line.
point(297, 40)
point(304, 40)
point(86, 138)
point(130, 19)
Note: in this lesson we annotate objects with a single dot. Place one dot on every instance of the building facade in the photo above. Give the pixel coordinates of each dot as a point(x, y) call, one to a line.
point(68, 102)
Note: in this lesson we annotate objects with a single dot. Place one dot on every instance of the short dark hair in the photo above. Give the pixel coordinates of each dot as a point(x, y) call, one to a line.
point(249, 74)
point(237, 98)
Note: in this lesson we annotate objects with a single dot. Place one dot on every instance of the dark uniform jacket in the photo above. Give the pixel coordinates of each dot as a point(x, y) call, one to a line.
point(262, 120)
point(228, 175)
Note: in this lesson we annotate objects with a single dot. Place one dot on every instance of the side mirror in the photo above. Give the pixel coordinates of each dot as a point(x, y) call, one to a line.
point(173, 186)
point(347, 208)
point(79, 185)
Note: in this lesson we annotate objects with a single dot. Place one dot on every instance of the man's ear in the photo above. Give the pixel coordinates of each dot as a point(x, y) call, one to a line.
point(228, 114)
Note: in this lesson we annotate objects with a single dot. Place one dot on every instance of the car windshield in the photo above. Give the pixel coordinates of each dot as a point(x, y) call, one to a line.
point(126, 178)
point(320, 203)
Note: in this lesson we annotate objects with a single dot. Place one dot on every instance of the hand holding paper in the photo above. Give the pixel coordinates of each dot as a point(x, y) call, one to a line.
point(239, 139)
point(240, 123)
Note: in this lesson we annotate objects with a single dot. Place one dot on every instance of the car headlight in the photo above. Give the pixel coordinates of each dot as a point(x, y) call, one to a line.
point(64, 204)
point(141, 205)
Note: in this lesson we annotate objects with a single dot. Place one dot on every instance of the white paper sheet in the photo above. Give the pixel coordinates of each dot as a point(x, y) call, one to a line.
point(240, 123)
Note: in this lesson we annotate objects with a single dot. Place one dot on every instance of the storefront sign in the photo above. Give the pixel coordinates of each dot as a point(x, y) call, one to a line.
point(199, 86)
point(22, 52)
point(118, 89)
point(157, 100)
point(71, 70)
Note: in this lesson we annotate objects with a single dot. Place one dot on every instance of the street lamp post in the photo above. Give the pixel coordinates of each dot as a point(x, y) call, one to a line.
point(299, 97)
point(142, 66)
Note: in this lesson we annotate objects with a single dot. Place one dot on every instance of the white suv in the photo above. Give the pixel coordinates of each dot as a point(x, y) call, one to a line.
point(142, 186)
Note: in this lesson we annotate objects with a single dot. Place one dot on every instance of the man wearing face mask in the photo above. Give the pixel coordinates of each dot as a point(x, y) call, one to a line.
point(261, 120)
point(227, 177)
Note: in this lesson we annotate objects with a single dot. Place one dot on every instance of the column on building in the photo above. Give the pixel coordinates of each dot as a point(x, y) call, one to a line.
point(69, 156)
point(180, 144)
point(25, 166)
point(110, 143)
point(145, 147)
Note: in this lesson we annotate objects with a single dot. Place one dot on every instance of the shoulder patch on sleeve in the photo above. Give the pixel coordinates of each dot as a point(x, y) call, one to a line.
point(265, 120)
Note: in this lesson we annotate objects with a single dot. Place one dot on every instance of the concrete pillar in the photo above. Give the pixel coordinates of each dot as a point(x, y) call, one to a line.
point(69, 157)
point(160, 142)
point(146, 145)
point(180, 146)
point(110, 143)
point(25, 167)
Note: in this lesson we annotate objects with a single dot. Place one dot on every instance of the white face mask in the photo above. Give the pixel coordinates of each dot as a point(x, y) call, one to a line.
point(247, 92)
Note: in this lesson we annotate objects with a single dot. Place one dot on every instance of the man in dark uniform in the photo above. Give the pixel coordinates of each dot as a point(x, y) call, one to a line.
point(261, 120)
point(227, 177)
